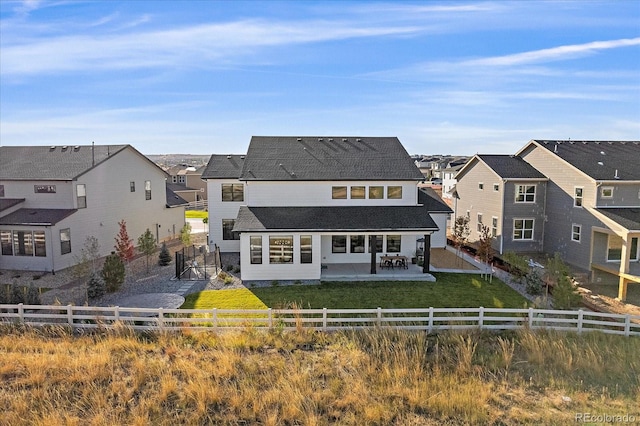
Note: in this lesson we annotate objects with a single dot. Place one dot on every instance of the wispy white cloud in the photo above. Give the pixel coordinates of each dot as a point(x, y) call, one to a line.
point(198, 45)
point(559, 53)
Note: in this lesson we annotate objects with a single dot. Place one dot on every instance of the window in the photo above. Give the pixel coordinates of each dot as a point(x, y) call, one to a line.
point(479, 222)
point(40, 244)
point(132, 187)
point(606, 192)
point(22, 243)
point(81, 192)
point(255, 248)
point(480, 186)
point(281, 249)
point(577, 197)
point(181, 179)
point(496, 187)
point(576, 232)
point(339, 244)
point(614, 248)
point(376, 192)
point(232, 192)
point(523, 229)
point(44, 189)
point(65, 241)
point(227, 230)
point(147, 189)
point(339, 192)
point(1, 191)
point(357, 193)
point(525, 193)
point(393, 243)
point(357, 244)
point(394, 192)
point(494, 226)
point(174, 179)
point(378, 244)
point(6, 243)
point(306, 249)
point(634, 249)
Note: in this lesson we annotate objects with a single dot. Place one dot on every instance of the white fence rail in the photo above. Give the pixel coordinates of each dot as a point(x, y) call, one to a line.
point(198, 205)
point(427, 319)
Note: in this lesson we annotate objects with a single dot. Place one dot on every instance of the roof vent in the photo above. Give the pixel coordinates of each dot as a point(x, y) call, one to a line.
point(320, 139)
point(330, 139)
point(64, 148)
point(600, 163)
point(242, 157)
point(293, 174)
point(52, 148)
point(228, 157)
point(76, 148)
point(358, 140)
point(344, 139)
point(555, 148)
point(602, 153)
point(299, 139)
point(616, 176)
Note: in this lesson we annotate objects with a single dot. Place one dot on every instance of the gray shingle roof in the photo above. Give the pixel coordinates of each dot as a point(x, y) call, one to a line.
point(599, 159)
point(37, 217)
point(345, 219)
point(173, 199)
point(51, 163)
point(627, 217)
point(328, 158)
point(6, 203)
point(432, 201)
point(224, 167)
point(511, 167)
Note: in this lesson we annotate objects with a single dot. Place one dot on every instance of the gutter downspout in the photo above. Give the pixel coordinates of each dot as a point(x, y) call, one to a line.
point(504, 192)
point(544, 213)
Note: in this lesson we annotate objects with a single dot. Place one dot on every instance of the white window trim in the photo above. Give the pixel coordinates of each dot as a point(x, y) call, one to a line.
point(602, 189)
point(533, 229)
point(481, 186)
point(495, 235)
point(479, 219)
point(524, 194)
point(575, 197)
point(573, 225)
point(608, 247)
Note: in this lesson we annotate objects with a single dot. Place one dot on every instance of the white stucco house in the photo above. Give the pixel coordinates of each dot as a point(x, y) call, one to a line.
point(53, 197)
point(293, 206)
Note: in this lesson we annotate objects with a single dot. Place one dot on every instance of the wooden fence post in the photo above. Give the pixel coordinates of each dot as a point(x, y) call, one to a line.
point(580, 318)
point(116, 313)
point(324, 319)
point(270, 318)
point(70, 315)
point(481, 317)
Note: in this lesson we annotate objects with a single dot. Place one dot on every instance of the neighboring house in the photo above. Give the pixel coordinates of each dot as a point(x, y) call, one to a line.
point(187, 182)
point(507, 194)
point(593, 205)
point(53, 198)
point(449, 180)
point(294, 205)
point(222, 175)
point(439, 211)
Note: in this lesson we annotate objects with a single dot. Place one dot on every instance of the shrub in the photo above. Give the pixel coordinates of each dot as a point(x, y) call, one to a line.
point(565, 295)
point(228, 280)
point(222, 275)
point(518, 265)
point(275, 283)
point(165, 256)
point(229, 268)
point(533, 282)
point(113, 272)
point(236, 269)
point(95, 286)
point(17, 294)
point(33, 296)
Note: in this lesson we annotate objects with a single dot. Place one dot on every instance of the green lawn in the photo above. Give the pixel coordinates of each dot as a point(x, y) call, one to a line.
point(450, 290)
point(196, 214)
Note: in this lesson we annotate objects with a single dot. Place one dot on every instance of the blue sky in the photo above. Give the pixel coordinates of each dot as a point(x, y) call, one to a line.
point(202, 77)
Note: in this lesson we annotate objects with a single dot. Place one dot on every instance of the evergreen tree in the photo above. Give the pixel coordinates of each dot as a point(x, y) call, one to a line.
point(565, 295)
point(165, 256)
point(147, 245)
point(33, 296)
point(124, 244)
point(113, 272)
point(96, 286)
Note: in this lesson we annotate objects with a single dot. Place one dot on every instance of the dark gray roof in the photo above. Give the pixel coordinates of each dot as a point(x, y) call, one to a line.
point(52, 163)
point(224, 167)
point(511, 167)
point(6, 203)
point(40, 217)
point(328, 158)
point(173, 199)
point(623, 156)
point(338, 219)
point(627, 217)
point(432, 201)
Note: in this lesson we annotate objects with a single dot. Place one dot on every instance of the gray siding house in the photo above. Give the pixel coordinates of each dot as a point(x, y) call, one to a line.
point(506, 194)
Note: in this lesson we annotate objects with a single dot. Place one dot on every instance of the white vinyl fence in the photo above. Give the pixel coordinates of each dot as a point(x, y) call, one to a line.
point(427, 319)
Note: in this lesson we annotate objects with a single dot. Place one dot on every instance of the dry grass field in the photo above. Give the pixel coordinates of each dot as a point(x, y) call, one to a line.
point(51, 377)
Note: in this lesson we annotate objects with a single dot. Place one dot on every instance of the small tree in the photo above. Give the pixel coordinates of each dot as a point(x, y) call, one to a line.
point(185, 234)
point(95, 286)
point(124, 244)
point(565, 295)
point(147, 245)
point(533, 282)
point(33, 296)
point(165, 256)
point(113, 272)
point(87, 262)
point(518, 265)
point(485, 249)
point(461, 232)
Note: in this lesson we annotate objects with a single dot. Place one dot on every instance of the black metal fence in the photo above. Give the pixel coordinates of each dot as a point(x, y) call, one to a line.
point(197, 263)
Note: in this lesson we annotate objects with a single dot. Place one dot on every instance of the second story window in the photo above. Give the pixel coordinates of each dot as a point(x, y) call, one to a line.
point(496, 187)
point(480, 186)
point(376, 192)
point(81, 191)
point(577, 197)
point(232, 192)
point(1, 191)
point(357, 193)
point(132, 187)
point(525, 193)
point(606, 192)
point(479, 222)
point(394, 192)
point(147, 189)
point(339, 192)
